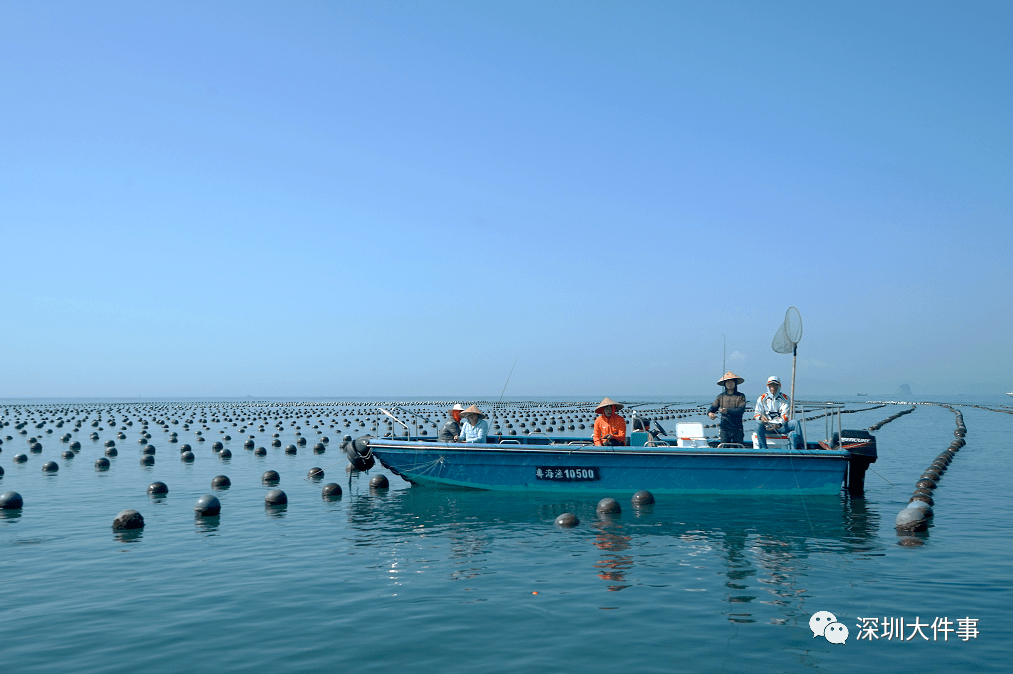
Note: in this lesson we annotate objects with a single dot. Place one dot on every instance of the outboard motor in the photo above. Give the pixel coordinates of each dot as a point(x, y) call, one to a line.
point(358, 452)
point(861, 446)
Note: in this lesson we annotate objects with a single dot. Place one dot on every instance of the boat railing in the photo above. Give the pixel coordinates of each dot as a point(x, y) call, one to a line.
point(831, 415)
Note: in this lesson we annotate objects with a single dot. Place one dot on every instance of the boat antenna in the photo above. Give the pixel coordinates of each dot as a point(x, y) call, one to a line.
point(724, 351)
point(786, 341)
point(508, 378)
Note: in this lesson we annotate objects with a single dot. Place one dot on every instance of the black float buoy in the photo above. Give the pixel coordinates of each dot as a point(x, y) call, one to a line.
point(225, 454)
point(186, 457)
point(331, 490)
point(319, 448)
point(68, 454)
point(185, 448)
point(50, 467)
point(290, 449)
point(260, 451)
point(275, 497)
point(128, 519)
point(147, 460)
point(216, 446)
point(20, 458)
point(158, 489)
point(11, 500)
point(315, 473)
point(642, 498)
point(75, 445)
point(221, 482)
point(207, 506)
point(148, 450)
point(609, 506)
point(270, 477)
point(912, 519)
point(379, 482)
point(567, 520)
point(111, 451)
point(102, 463)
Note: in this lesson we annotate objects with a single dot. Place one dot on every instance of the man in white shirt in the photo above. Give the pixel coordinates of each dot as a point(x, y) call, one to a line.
point(771, 414)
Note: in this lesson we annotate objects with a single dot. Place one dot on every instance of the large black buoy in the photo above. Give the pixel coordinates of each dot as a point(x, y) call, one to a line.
point(642, 498)
point(50, 467)
point(331, 490)
point(207, 506)
point(147, 460)
point(379, 482)
point(67, 455)
point(185, 448)
point(270, 477)
point(260, 451)
point(567, 520)
point(11, 500)
point(102, 463)
point(158, 489)
point(148, 450)
point(225, 454)
point(216, 446)
point(221, 482)
point(75, 445)
point(319, 448)
point(290, 449)
point(186, 457)
point(128, 519)
point(315, 473)
point(20, 458)
point(609, 506)
point(912, 519)
point(275, 497)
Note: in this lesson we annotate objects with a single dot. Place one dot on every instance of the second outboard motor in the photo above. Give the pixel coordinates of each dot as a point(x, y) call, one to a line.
point(861, 445)
point(358, 452)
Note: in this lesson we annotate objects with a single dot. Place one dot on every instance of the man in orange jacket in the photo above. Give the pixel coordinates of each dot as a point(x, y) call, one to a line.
point(609, 427)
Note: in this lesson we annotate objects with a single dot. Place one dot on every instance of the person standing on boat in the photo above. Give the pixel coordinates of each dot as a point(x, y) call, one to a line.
point(731, 405)
point(451, 431)
point(609, 427)
point(474, 428)
point(771, 414)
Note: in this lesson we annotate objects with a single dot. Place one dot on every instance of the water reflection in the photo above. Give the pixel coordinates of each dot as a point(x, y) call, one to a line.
point(207, 525)
point(276, 511)
point(612, 540)
point(128, 535)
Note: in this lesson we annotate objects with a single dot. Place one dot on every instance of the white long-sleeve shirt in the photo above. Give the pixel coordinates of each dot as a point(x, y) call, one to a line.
point(774, 408)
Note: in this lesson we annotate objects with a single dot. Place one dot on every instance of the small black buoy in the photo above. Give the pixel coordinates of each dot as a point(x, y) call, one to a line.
point(111, 451)
point(75, 445)
point(275, 497)
point(319, 448)
point(609, 506)
point(567, 520)
point(926, 484)
point(270, 477)
point(11, 500)
point(379, 482)
point(158, 489)
point(331, 490)
point(290, 449)
point(128, 519)
point(148, 450)
point(220, 482)
point(102, 463)
point(315, 473)
point(642, 498)
point(68, 454)
point(147, 460)
point(225, 454)
point(207, 506)
point(185, 448)
point(922, 497)
point(216, 446)
point(186, 457)
point(20, 458)
point(50, 467)
point(260, 451)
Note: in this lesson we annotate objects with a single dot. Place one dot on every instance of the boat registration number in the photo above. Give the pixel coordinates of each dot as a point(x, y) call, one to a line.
point(566, 473)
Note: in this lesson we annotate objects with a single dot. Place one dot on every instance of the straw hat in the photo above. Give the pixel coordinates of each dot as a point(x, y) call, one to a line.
point(730, 375)
point(457, 408)
point(606, 402)
point(474, 410)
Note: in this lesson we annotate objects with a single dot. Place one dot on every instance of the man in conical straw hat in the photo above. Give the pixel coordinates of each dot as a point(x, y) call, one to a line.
point(731, 405)
point(609, 427)
point(451, 430)
point(474, 427)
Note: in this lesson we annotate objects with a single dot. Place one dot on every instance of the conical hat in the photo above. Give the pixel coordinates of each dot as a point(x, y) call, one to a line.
point(730, 375)
point(474, 410)
point(608, 401)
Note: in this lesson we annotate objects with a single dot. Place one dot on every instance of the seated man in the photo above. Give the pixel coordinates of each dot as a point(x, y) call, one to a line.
point(451, 431)
point(609, 427)
point(474, 428)
point(771, 414)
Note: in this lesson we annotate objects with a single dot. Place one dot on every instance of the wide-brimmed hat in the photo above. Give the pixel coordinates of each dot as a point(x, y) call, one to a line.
point(474, 410)
point(772, 379)
point(605, 403)
point(730, 375)
point(457, 408)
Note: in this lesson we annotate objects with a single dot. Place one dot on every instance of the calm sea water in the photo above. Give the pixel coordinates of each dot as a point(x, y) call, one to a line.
point(436, 580)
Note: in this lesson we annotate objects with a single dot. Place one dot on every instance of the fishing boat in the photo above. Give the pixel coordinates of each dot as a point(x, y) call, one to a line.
point(689, 464)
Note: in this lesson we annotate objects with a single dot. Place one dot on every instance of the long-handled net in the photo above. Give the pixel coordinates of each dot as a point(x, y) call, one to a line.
point(786, 341)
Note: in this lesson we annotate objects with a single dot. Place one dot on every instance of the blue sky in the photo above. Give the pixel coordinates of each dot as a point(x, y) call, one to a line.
point(400, 199)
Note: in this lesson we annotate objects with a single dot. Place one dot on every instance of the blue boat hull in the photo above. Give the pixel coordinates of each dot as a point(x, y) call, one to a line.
point(568, 469)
